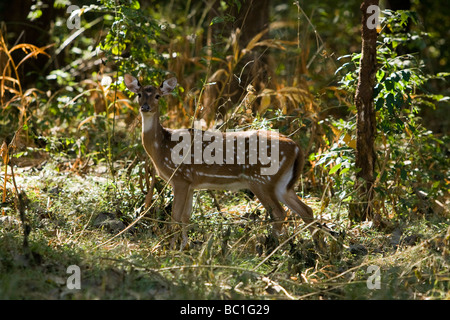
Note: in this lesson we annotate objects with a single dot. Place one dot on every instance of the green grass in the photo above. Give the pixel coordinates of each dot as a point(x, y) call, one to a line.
point(228, 256)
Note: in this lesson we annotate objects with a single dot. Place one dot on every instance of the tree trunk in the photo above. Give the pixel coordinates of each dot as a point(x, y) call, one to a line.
point(365, 123)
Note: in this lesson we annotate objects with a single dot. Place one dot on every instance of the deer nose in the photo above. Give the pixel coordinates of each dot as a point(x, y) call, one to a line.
point(145, 107)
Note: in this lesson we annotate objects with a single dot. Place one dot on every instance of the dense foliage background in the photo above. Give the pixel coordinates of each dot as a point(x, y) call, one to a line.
point(77, 172)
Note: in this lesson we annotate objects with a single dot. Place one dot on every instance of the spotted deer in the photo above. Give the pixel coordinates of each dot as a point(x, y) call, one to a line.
point(220, 161)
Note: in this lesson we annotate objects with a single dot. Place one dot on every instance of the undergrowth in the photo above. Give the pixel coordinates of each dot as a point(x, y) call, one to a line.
point(228, 257)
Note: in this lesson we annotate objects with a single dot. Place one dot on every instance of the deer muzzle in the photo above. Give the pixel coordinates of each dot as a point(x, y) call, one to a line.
point(145, 107)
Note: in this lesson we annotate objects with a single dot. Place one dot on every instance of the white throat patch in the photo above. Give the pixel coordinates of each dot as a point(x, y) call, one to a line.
point(147, 122)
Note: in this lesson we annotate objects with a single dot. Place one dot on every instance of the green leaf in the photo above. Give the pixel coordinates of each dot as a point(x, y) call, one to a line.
point(344, 57)
point(390, 102)
point(379, 104)
point(380, 75)
point(342, 67)
point(389, 84)
point(335, 168)
point(18, 155)
point(356, 57)
point(403, 174)
point(312, 157)
point(406, 75)
point(323, 159)
point(33, 15)
point(377, 89)
point(238, 5)
point(135, 5)
point(216, 20)
point(398, 100)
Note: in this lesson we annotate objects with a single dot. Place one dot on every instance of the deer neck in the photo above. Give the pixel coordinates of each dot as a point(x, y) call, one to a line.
point(152, 134)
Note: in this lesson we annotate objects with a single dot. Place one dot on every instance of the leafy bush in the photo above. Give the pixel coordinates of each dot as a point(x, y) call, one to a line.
point(412, 162)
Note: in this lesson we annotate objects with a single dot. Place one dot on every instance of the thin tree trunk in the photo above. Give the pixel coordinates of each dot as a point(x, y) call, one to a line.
point(365, 124)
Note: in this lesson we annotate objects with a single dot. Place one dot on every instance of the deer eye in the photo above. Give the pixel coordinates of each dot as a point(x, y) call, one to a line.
point(157, 96)
point(139, 95)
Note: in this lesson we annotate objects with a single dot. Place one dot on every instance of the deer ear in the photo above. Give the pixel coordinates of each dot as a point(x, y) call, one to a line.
point(168, 86)
point(132, 83)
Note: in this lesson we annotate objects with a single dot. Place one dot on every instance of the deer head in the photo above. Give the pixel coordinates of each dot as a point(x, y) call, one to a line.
point(149, 95)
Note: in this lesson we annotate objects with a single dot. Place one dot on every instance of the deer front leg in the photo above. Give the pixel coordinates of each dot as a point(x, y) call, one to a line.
point(182, 207)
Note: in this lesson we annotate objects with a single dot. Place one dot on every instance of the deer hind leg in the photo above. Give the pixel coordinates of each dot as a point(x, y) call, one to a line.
point(293, 202)
point(273, 206)
point(181, 213)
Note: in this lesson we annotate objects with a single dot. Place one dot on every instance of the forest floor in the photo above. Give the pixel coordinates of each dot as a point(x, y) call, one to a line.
point(75, 219)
